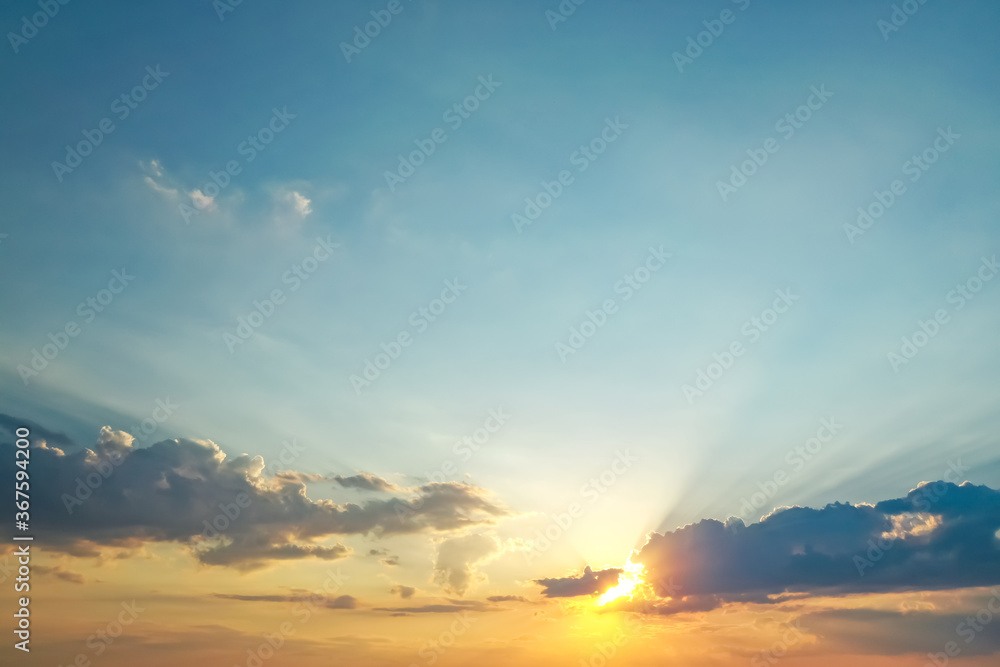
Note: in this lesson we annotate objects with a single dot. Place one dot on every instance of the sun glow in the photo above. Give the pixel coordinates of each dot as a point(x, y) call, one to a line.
point(628, 581)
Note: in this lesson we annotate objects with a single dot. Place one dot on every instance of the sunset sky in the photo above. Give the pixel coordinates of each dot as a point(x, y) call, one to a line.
point(405, 348)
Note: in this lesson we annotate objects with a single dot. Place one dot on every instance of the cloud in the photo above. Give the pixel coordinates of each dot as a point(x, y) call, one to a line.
point(300, 204)
point(938, 536)
point(366, 482)
point(225, 508)
point(11, 424)
point(508, 598)
point(201, 201)
point(165, 191)
point(589, 583)
point(59, 573)
point(405, 592)
point(880, 632)
point(457, 558)
point(334, 602)
point(451, 607)
point(291, 207)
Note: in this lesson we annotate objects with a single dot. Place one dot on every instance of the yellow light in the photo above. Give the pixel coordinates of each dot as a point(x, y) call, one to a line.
point(628, 580)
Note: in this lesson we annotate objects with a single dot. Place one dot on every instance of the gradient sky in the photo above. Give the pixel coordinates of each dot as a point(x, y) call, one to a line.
point(496, 346)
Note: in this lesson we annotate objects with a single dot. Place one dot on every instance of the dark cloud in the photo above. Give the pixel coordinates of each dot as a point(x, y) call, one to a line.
point(508, 598)
point(938, 536)
point(880, 632)
point(59, 573)
point(452, 606)
point(11, 424)
point(330, 602)
point(366, 482)
point(589, 583)
point(226, 508)
point(405, 592)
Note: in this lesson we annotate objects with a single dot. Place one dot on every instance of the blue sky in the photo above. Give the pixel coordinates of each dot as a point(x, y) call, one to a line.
point(656, 185)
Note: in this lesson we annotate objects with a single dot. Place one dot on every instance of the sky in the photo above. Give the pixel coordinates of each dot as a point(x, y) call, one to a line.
point(482, 310)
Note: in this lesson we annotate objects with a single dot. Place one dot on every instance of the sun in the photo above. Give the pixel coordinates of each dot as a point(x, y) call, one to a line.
point(628, 581)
